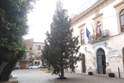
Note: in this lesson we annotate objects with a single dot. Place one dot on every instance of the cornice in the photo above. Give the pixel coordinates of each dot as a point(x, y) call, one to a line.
point(122, 2)
point(99, 15)
point(81, 25)
point(90, 11)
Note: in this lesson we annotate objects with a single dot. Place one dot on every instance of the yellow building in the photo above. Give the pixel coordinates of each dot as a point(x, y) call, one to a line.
point(100, 27)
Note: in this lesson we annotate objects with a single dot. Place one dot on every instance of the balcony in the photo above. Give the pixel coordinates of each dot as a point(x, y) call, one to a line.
point(31, 59)
point(104, 36)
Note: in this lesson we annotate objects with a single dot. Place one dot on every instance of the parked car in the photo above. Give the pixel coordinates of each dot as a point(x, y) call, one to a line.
point(17, 67)
point(34, 67)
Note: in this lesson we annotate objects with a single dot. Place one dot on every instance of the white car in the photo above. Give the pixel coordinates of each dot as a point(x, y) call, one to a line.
point(34, 67)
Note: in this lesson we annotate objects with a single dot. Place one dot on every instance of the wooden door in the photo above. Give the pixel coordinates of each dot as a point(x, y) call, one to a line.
point(83, 64)
point(101, 61)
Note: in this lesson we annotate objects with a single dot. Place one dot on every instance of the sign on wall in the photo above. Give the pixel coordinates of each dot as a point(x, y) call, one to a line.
point(113, 53)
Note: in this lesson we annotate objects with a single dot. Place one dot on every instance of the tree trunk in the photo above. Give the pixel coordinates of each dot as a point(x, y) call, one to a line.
point(7, 70)
point(62, 73)
point(48, 66)
point(1, 66)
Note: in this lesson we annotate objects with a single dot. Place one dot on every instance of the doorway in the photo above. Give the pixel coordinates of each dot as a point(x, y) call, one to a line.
point(101, 61)
point(83, 64)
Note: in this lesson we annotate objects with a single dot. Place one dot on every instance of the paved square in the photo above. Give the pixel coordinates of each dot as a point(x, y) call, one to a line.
point(37, 76)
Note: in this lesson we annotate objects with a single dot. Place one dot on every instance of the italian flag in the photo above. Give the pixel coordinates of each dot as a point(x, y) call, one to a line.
point(95, 31)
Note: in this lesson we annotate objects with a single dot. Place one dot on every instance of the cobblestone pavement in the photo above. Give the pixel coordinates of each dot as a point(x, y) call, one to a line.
point(37, 76)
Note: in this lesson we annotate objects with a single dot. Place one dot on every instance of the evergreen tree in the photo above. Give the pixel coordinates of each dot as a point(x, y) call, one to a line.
point(61, 48)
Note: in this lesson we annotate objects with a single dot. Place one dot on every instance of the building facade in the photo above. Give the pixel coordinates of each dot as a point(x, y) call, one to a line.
point(100, 27)
point(33, 52)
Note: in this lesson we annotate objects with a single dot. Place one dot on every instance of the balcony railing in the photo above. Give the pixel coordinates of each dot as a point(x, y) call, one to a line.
point(105, 34)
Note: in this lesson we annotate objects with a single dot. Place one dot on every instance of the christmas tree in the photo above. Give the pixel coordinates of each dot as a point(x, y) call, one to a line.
point(61, 48)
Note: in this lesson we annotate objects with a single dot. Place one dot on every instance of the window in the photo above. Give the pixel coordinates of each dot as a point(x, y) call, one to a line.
point(82, 37)
point(122, 20)
point(99, 29)
point(82, 33)
point(98, 25)
point(39, 52)
point(119, 7)
point(39, 47)
point(30, 48)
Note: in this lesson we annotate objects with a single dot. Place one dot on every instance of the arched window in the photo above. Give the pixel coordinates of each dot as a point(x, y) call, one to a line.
point(122, 20)
point(99, 29)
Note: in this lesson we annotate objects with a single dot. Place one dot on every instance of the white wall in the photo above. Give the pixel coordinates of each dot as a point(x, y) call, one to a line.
point(109, 19)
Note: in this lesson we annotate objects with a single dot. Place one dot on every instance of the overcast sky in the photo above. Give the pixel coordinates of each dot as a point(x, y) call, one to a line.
point(40, 18)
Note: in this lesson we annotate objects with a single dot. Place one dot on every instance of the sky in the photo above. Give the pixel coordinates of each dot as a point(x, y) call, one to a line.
point(40, 18)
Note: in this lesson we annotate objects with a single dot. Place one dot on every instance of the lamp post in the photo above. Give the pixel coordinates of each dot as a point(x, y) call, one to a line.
point(106, 45)
point(85, 48)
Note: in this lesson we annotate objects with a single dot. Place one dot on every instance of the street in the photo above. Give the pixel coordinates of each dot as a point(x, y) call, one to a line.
point(37, 76)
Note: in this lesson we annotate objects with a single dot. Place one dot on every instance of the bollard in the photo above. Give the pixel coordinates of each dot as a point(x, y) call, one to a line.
point(119, 72)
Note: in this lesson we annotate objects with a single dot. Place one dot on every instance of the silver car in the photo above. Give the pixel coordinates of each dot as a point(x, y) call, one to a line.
point(34, 67)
